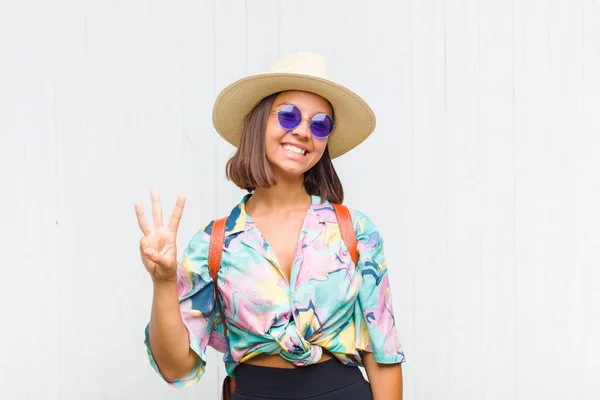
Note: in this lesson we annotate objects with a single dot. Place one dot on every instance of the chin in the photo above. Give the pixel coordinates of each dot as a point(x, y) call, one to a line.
point(292, 171)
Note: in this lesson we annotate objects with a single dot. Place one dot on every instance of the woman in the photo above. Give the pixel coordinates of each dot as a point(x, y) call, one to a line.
point(300, 316)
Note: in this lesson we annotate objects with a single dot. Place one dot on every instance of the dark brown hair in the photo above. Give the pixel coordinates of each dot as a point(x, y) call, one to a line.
point(249, 167)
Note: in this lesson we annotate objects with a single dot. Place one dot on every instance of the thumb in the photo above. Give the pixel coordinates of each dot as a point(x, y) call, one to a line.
point(156, 257)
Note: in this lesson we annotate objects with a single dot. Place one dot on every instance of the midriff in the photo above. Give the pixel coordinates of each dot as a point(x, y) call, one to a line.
point(276, 361)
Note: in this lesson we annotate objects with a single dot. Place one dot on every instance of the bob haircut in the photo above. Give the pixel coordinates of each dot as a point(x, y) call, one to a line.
point(249, 167)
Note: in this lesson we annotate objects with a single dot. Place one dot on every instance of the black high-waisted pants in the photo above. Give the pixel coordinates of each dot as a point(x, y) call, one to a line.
point(329, 380)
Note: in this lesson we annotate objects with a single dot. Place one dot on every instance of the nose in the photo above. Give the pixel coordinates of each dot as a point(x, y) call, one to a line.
point(303, 128)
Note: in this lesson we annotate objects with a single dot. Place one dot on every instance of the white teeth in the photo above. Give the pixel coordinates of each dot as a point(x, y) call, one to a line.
point(293, 149)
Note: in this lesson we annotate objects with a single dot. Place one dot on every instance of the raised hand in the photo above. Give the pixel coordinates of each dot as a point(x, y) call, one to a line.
point(158, 245)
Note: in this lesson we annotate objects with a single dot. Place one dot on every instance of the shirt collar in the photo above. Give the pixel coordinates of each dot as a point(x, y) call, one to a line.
point(238, 219)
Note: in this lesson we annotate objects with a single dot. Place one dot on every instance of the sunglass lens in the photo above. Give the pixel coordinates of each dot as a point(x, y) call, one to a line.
point(321, 125)
point(289, 117)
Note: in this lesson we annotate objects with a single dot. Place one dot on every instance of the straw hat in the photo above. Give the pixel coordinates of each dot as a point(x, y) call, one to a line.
point(308, 72)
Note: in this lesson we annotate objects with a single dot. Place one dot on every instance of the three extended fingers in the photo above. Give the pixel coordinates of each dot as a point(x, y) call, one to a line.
point(157, 214)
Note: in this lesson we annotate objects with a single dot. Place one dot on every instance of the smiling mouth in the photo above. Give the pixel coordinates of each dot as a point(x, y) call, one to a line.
point(294, 150)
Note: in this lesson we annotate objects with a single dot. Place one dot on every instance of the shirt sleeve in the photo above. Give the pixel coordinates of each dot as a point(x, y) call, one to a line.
point(375, 322)
point(197, 304)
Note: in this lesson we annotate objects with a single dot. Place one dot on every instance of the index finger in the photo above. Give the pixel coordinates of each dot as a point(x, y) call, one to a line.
point(177, 213)
point(142, 221)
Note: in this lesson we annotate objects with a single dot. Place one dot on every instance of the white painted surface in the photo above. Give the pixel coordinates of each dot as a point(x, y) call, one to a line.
point(482, 176)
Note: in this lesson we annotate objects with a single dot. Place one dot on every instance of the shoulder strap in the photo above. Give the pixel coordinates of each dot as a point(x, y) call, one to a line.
point(347, 229)
point(215, 252)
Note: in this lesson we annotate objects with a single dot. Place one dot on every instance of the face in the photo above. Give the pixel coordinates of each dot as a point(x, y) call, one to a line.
point(292, 152)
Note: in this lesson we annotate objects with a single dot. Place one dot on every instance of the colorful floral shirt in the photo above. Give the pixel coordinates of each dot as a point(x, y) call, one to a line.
point(329, 304)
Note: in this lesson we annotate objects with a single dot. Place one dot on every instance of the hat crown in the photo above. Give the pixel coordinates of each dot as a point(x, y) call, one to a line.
point(302, 63)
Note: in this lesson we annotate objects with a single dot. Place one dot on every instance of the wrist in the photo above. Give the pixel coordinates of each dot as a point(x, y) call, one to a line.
point(164, 285)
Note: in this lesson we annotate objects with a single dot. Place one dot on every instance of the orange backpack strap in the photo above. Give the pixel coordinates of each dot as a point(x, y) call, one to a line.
point(215, 252)
point(347, 229)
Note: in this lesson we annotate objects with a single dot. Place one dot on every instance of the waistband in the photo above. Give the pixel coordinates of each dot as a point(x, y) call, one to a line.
point(307, 381)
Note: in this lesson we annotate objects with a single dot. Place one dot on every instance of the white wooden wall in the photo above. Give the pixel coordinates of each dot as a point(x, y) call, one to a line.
point(483, 176)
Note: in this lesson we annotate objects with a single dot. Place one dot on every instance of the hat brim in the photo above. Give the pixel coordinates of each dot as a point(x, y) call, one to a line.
point(354, 118)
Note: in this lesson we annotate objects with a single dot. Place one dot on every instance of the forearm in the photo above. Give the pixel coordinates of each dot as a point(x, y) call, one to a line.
point(169, 341)
point(385, 379)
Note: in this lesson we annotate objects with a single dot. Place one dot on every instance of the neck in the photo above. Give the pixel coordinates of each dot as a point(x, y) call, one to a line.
point(284, 196)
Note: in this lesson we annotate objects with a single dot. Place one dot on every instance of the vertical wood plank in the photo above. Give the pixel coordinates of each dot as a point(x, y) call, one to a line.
point(231, 60)
point(590, 220)
point(262, 34)
point(463, 174)
point(70, 77)
point(379, 174)
point(533, 182)
point(433, 352)
point(496, 126)
point(565, 140)
point(314, 26)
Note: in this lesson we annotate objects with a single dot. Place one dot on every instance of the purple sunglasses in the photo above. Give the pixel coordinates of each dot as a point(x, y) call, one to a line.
point(321, 125)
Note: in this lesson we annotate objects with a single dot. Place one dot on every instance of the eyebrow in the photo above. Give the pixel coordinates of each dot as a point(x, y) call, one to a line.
point(292, 104)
